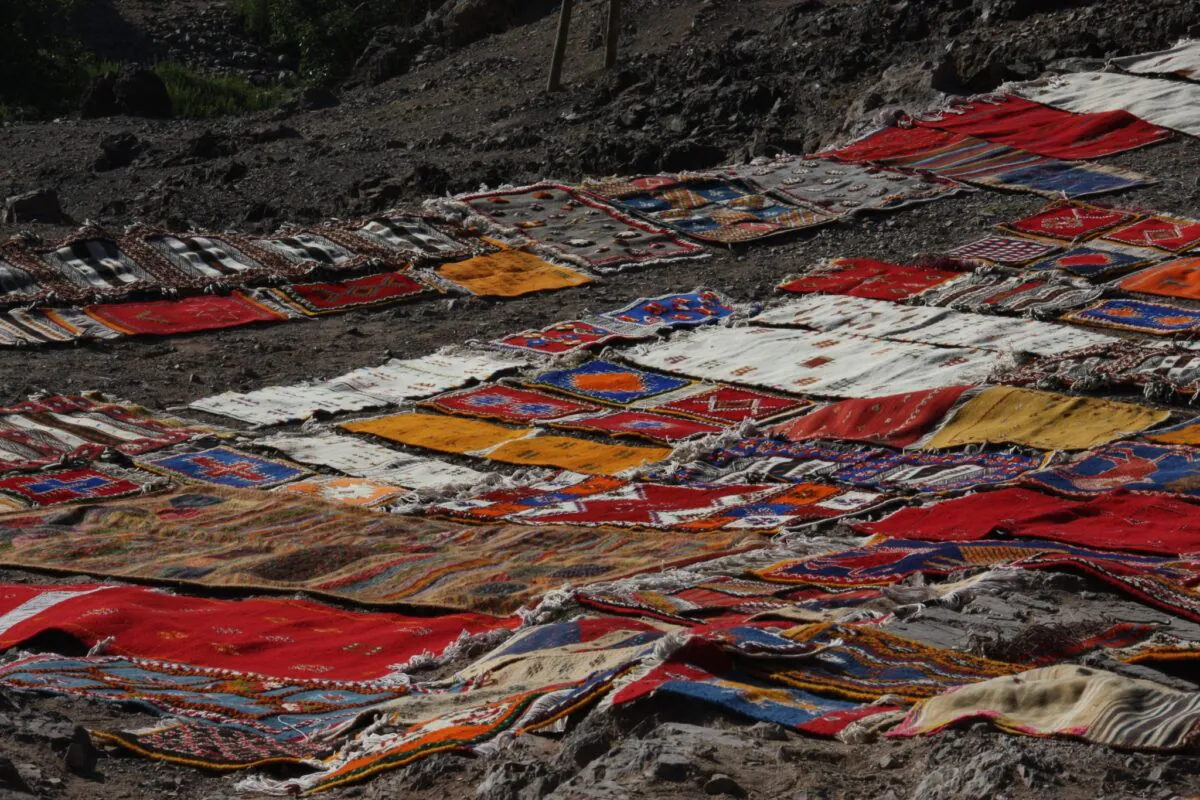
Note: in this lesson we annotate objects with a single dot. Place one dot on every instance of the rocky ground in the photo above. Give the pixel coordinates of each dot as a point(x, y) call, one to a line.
point(459, 101)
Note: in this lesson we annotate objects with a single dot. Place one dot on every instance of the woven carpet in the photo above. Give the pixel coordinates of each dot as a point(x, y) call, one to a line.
point(896, 420)
point(510, 273)
point(224, 466)
point(446, 434)
point(725, 405)
point(582, 229)
point(1069, 221)
point(640, 425)
point(576, 454)
point(1046, 131)
point(1181, 61)
point(1158, 319)
point(1158, 232)
point(700, 307)
point(74, 485)
point(1004, 251)
point(508, 404)
point(1162, 370)
point(286, 542)
point(1127, 466)
point(22, 327)
point(192, 314)
point(277, 638)
point(1001, 294)
point(1068, 700)
point(1168, 104)
point(1178, 278)
point(360, 492)
point(274, 405)
point(1187, 432)
point(572, 336)
point(1094, 262)
point(401, 380)
point(1115, 521)
point(608, 382)
point(864, 277)
point(372, 290)
point(1006, 415)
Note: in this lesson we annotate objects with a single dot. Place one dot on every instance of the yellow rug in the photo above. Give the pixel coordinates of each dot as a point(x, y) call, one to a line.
point(510, 273)
point(438, 432)
point(577, 455)
point(1044, 420)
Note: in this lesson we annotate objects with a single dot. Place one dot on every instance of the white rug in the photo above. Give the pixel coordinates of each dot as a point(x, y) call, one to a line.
point(409, 379)
point(1169, 104)
point(1182, 60)
point(276, 405)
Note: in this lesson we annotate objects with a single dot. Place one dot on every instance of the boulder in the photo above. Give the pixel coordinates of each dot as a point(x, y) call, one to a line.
point(39, 206)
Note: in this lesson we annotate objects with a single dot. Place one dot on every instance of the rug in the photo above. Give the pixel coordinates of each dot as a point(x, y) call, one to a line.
point(608, 382)
point(568, 337)
point(275, 405)
point(1111, 521)
point(225, 466)
point(577, 455)
point(413, 235)
point(1003, 250)
point(446, 434)
point(273, 637)
point(401, 380)
point(358, 492)
point(385, 288)
point(641, 425)
point(1181, 61)
point(815, 363)
point(1159, 232)
point(55, 487)
point(840, 189)
point(310, 250)
point(582, 229)
point(273, 541)
point(510, 273)
point(190, 315)
point(709, 209)
point(700, 307)
point(1158, 319)
point(1072, 701)
point(1094, 263)
point(36, 433)
point(1069, 221)
point(1178, 278)
point(1167, 104)
point(999, 294)
point(896, 420)
point(507, 404)
point(1161, 371)
point(1042, 420)
point(1187, 432)
point(864, 277)
point(727, 406)
point(1016, 122)
point(1126, 466)
point(97, 266)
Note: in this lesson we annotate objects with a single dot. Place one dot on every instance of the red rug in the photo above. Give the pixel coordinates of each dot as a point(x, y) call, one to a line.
point(1117, 521)
point(279, 638)
point(365, 292)
point(207, 312)
point(1048, 131)
point(892, 142)
point(896, 420)
point(865, 277)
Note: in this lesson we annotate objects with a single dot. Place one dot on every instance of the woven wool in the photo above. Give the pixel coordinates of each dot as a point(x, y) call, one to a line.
point(864, 277)
point(1069, 221)
point(895, 420)
point(577, 455)
point(815, 363)
point(1158, 232)
point(1175, 369)
point(286, 542)
point(608, 382)
point(1168, 104)
point(437, 432)
point(569, 337)
point(508, 404)
point(581, 228)
point(1127, 466)
point(225, 466)
point(55, 487)
point(994, 293)
point(1182, 60)
point(1178, 278)
point(673, 310)
point(510, 273)
point(189, 315)
point(1187, 432)
point(1004, 415)
point(1046, 131)
point(412, 235)
point(1003, 250)
point(359, 492)
point(641, 425)
point(400, 380)
point(1093, 262)
point(372, 290)
point(1158, 319)
point(726, 405)
point(1068, 700)
point(274, 405)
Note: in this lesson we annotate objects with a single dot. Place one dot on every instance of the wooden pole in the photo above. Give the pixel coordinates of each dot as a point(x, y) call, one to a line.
point(560, 47)
point(613, 34)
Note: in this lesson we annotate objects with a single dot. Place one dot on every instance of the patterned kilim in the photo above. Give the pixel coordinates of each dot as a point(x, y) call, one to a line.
point(995, 293)
point(1187, 432)
point(642, 425)
point(1170, 234)
point(582, 229)
point(21, 327)
point(36, 433)
point(1005, 415)
point(510, 273)
point(727, 405)
point(568, 337)
point(401, 380)
point(365, 292)
point(224, 466)
point(54, 487)
point(275, 637)
point(1178, 278)
point(437, 432)
point(673, 310)
point(608, 382)
point(1004, 250)
point(710, 209)
point(190, 315)
point(288, 542)
point(1169, 369)
point(864, 277)
point(1093, 262)
point(411, 234)
point(577, 455)
point(897, 420)
point(311, 250)
point(359, 492)
point(508, 404)
point(1127, 466)
point(1071, 701)
point(273, 405)
point(1158, 319)
point(1068, 221)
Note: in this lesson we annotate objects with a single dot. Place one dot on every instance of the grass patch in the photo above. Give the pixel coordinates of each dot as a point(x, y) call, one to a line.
point(195, 95)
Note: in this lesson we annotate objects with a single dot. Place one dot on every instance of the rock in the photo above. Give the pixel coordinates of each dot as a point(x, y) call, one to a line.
point(98, 99)
point(39, 206)
point(211, 145)
point(670, 767)
point(81, 754)
point(141, 93)
point(274, 133)
point(723, 784)
point(10, 776)
point(118, 150)
point(315, 98)
point(769, 732)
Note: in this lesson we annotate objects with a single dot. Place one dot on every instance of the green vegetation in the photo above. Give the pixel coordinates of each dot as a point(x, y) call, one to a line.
point(42, 64)
point(201, 96)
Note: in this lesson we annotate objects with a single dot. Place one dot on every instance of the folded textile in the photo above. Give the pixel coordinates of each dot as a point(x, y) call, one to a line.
point(1112, 521)
point(1178, 278)
point(1158, 319)
point(1006, 415)
point(895, 420)
point(1126, 466)
point(510, 273)
point(998, 294)
point(1182, 60)
point(1167, 104)
point(1047, 131)
point(815, 363)
point(277, 638)
point(864, 277)
point(1068, 700)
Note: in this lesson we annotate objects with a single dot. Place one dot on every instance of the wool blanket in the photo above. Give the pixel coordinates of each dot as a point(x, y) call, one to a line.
point(1158, 232)
point(865, 277)
point(1129, 466)
point(276, 638)
point(1005, 251)
point(23, 327)
point(1187, 432)
point(1001, 294)
point(708, 208)
point(413, 235)
point(510, 273)
point(73, 485)
point(371, 461)
point(37, 433)
point(207, 312)
point(288, 543)
point(386, 288)
point(896, 420)
point(1160, 371)
point(225, 466)
point(1046, 131)
point(513, 404)
point(1096, 261)
point(727, 406)
point(927, 324)
point(841, 189)
point(1157, 319)
point(400, 380)
point(571, 337)
point(669, 311)
point(1068, 700)
point(1046, 421)
point(439, 432)
point(606, 381)
point(1178, 278)
point(815, 363)
point(581, 228)
point(577, 455)
point(1182, 61)
point(1069, 221)
point(640, 425)
point(1111, 521)
point(274, 405)
point(360, 492)
point(1167, 104)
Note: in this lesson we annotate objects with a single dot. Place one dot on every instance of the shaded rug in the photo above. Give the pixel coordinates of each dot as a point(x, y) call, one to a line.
point(1004, 251)
point(700, 307)
point(1001, 294)
point(896, 420)
point(1168, 104)
point(225, 466)
point(1069, 221)
point(401, 380)
point(864, 277)
point(55, 487)
point(508, 404)
point(372, 290)
point(569, 337)
point(1126, 466)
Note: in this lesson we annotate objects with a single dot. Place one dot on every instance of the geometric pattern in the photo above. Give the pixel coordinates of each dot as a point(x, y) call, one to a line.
point(1127, 466)
point(1003, 250)
point(561, 337)
point(1158, 319)
point(674, 310)
point(67, 486)
point(608, 382)
point(371, 290)
point(1092, 262)
point(227, 467)
point(731, 405)
point(1069, 222)
point(1177, 278)
point(1173, 234)
point(642, 424)
point(358, 492)
point(507, 403)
